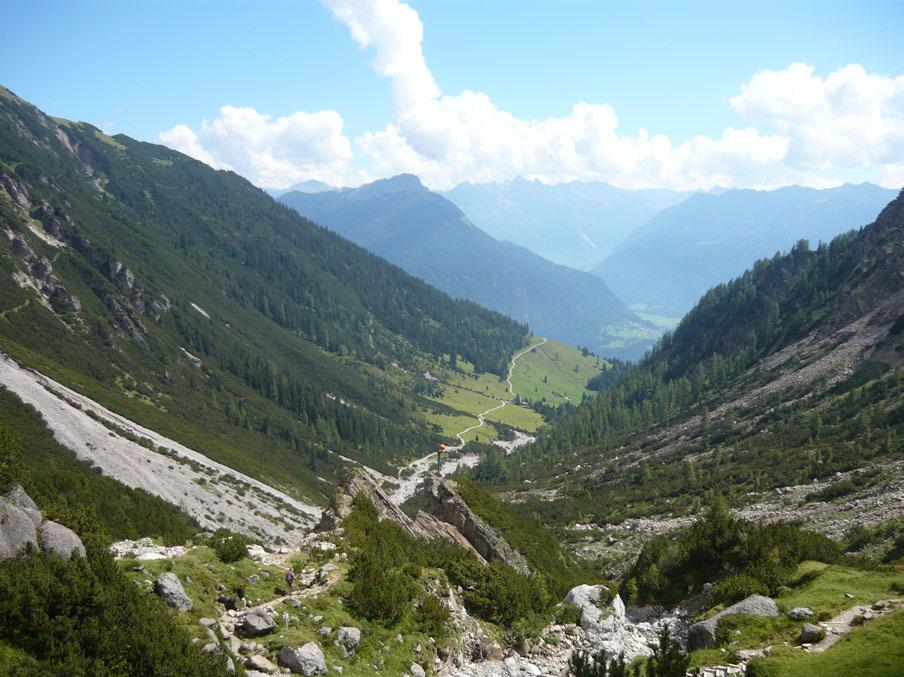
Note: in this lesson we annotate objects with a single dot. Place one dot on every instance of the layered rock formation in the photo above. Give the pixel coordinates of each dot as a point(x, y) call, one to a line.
point(442, 501)
point(446, 516)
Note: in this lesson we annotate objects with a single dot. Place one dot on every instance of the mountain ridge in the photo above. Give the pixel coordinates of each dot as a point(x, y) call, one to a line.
point(670, 261)
point(431, 238)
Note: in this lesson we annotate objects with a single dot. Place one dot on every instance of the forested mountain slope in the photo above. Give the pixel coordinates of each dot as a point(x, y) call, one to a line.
point(576, 224)
point(789, 374)
point(191, 302)
point(429, 237)
point(684, 250)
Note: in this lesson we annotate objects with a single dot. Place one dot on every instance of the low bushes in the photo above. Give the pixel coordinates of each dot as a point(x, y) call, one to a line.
point(740, 556)
point(388, 562)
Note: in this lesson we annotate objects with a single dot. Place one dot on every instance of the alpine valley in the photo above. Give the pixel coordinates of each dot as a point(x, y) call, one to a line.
point(349, 432)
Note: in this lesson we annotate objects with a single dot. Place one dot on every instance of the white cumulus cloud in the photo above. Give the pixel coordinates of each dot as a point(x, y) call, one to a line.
point(274, 153)
point(795, 126)
point(850, 118)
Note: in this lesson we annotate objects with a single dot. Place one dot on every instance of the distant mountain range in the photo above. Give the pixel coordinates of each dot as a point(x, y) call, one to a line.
point(576, 224)
point(428, 236)
point(309, 186)
point(710, 238)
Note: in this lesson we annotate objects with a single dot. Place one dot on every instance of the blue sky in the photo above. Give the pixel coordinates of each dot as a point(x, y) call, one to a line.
point(669, 68)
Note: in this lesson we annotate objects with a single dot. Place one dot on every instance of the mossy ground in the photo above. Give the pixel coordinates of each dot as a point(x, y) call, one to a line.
point(822, 588)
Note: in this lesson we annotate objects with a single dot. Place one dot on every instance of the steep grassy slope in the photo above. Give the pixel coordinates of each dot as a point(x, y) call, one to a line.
point(787, 375)
point(555, 373)
point(190, 301)
point(686, 249)
point(431, 238)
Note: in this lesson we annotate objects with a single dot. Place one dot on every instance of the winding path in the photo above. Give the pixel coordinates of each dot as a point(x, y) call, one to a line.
point(422, 466)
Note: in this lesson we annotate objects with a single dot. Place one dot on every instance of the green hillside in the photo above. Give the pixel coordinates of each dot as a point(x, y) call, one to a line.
point(555, 373)
point(190, 301)
point(786, 375)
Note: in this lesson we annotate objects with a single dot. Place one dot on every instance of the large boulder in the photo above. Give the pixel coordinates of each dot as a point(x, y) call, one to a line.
point(811, 634)
point(257, 623)
point(17, 530)
point(62, 540)
point(582, 595)
point(17, 497)
point(800, 613)
point(170, 589)
point(305, 660)
point(702, 635)
point(593, 617)
point(348, 639)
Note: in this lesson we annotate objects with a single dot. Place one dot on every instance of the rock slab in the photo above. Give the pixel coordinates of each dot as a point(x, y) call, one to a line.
point(17, 530)
point(170, 589)
point(305, 660)
point(62, 540)
point(257, 623)
point(702, 635)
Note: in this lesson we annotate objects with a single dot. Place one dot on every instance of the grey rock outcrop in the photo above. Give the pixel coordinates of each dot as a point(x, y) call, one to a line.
point(702, 635)
point(800, 613)
point(257, 623)
point(21, 500)
point(17, 530)
point(54, 537)
point(21, 523)
point(446, 516)
point(416, 670)
point(358, 481)
point(305, 660)
point(443, 502)
point(170, 589)
point(348, 639)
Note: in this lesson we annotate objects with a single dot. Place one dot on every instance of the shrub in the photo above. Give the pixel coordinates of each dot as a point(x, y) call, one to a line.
point(583, 664)
point(431, 616)
point(668, 659)
point(736, 588)
point(230, 547)
point(720, 546)
point(568, 613)
point(84, 617)
point(10, 466)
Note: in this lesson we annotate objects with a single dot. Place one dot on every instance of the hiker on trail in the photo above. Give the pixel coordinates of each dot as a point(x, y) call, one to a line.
point(290, 577)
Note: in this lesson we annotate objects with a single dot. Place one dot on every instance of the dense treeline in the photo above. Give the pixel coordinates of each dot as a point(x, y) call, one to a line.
point(776, 439)
point(300, 275)
point(85, 617)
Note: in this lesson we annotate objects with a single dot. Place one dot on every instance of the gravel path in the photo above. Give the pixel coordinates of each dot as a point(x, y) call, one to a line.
point(424, 465)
